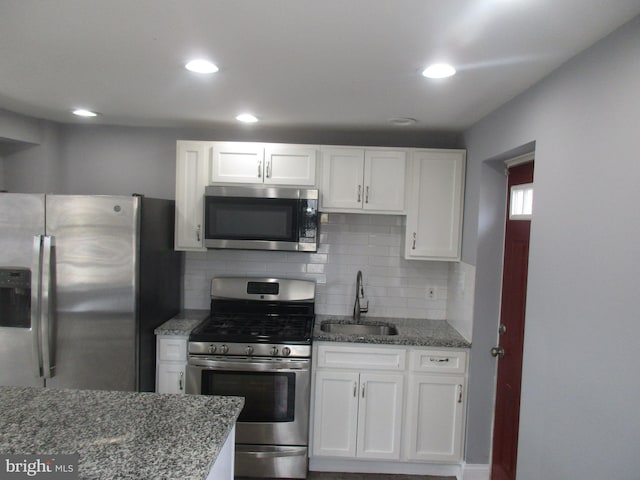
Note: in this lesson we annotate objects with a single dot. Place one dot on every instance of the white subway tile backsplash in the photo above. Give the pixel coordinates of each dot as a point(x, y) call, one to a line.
point(348, 242)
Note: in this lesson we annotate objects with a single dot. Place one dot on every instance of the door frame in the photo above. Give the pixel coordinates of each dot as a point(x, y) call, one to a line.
point(510, 163)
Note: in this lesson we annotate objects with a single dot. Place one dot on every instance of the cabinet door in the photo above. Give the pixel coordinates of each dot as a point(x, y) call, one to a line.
point(171, 377)
point(434, 420)
point(191, 163)
point(434, 211)
point(384, 177)
point(336, 413)
point(342, 178)
point(290, 165)
point(380, 415)
point(237, 162)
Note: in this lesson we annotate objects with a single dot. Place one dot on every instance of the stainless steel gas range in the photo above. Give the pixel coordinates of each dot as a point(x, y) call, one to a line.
point(256, 343)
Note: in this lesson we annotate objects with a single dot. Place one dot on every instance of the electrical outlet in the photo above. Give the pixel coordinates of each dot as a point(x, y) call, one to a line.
point(431, 293)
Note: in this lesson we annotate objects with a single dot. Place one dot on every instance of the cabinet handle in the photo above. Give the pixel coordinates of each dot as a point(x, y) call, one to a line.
point(198, 232)
point(413, 247)
point(259, 168)
point(268, 175)
point(180, 382)
point(460, 393)
point(355, 389)
point(366, 195)
point(363, 389)
point(359, 193)
point(438, 360)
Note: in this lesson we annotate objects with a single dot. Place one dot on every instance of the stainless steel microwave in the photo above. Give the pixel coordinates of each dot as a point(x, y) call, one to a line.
point(261, 218)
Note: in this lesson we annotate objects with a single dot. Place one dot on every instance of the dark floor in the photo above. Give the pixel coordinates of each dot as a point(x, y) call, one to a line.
point(370, 476)
point(366, 476)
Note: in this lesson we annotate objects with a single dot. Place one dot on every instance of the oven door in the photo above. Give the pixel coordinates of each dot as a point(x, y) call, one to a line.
point(276, 393)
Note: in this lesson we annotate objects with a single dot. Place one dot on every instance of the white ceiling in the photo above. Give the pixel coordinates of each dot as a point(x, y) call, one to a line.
point(293, 63)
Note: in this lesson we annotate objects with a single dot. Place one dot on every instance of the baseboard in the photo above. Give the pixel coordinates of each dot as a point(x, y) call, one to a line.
point(476, 472)
point(321, 464)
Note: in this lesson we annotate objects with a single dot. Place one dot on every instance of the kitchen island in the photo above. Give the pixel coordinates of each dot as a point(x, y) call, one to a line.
point(121, 435)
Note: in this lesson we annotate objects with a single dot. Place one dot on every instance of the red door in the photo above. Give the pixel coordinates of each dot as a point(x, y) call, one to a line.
point(511, 336)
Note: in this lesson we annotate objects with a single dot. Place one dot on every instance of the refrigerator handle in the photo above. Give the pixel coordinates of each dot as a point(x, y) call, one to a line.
point(36, 277)
point(48, 360)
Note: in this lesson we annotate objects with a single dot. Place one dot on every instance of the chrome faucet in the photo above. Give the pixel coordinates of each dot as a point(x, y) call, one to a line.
point(357, 307)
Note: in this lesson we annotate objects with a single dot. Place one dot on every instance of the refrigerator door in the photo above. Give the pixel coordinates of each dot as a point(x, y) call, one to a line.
point(94, 286)
point(21, 218)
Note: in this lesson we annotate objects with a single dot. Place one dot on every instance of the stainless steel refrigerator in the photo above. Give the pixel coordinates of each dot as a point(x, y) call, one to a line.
point(84, 280)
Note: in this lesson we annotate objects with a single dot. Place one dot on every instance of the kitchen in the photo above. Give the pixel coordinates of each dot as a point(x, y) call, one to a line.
point(573, 286)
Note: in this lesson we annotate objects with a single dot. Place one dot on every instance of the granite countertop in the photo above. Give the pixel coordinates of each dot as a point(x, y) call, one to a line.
point(411, 331)
point(182, 324)
point(119, 435)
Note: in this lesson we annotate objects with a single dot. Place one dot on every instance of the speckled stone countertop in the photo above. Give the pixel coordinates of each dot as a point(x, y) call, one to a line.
point(411, 331)
point(183, 323)
point(119, 435)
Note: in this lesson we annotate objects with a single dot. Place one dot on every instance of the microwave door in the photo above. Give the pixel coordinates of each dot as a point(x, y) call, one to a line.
point(251, 223)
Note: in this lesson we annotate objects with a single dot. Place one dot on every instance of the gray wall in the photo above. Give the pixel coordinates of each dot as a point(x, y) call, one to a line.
point(580, 382)
point(101, 159)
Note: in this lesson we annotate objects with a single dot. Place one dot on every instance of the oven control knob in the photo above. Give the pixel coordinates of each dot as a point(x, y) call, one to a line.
point(286, 351)
point(212, 349)
point(249, 350)
point(274, 351)
point(224, 349)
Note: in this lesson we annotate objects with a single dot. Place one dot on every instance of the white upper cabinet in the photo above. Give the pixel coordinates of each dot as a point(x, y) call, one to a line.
point(234, 162)
point(435, 203)
point(191, 177)
point(384, 180)
point(290, 164)
point(425, 184)
point(342, 178)
point(259, 163)
point(357, 179)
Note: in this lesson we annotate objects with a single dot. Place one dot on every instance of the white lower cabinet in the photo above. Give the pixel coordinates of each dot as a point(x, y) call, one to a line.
point(358, 415)
point(362, 410)
point(434, 417)
point(436, 403)
point(380, 415)
point(336, 414)
point(171, 363)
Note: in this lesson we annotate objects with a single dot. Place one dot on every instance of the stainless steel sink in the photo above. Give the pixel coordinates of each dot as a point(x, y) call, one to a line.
point(361, 328)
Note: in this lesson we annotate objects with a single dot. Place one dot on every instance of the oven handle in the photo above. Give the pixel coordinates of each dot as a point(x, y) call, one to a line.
point(251, 365)
point(275, 453)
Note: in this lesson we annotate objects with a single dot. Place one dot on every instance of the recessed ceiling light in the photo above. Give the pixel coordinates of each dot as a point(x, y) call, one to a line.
point(439, 70)
point(201, 66)
point(402, 121)
point(83, 112)
point(246, 118)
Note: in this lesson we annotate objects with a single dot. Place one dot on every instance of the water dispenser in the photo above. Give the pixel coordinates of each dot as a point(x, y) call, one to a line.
point(15, 297)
